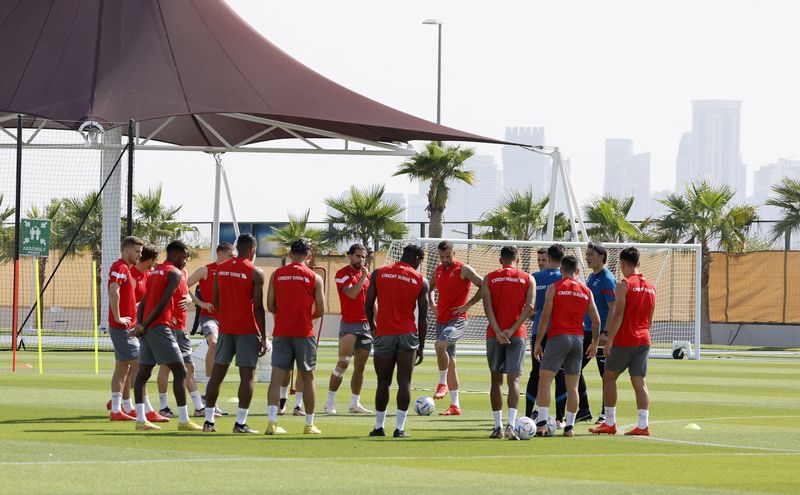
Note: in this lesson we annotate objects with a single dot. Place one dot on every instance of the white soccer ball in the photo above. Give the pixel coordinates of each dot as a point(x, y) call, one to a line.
point(424, 406)
point(526, 428)
point(551, 426)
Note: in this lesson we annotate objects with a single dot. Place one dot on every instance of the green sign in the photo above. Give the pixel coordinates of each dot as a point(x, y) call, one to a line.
point(34, 237)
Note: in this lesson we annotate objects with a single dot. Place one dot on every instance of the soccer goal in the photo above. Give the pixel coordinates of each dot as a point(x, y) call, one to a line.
point(674, 270)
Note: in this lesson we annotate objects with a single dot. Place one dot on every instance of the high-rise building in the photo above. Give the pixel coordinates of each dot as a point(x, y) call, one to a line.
point(628, 174)
point(523, 169)
point(469, 203)
point(713, 148)
point(769, 175)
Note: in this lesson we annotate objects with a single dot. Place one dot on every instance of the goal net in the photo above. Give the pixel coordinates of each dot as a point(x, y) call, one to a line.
point(671, 268)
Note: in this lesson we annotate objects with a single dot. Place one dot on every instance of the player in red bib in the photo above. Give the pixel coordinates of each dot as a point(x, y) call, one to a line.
point(566, 303)
point(238, 301)
point(453, 281)
point(507, 296)
point(157, 341)
point(209, 319)
point(355, 338)
point(295, 296)
point(628, 345)
point(121, 318)
point(398, 289)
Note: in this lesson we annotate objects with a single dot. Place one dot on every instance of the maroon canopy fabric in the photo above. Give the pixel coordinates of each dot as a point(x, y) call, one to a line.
point(112, 60)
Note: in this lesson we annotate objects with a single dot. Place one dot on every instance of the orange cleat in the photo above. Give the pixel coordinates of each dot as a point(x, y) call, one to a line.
point(154, 417)
point(604, 429)
point(638, 432)
point(441, 391)
point(132, 413)
point(120, 416)
point(451, 411)
point(108, 405)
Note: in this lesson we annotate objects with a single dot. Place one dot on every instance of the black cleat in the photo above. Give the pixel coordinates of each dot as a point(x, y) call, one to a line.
point(497, 433)
point(583, 416)
point(209, 427)
point(400, 434)
point(237, 428)
point(282, 406)
point(377, 432)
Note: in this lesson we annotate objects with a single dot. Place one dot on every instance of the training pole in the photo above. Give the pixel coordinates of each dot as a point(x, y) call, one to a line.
point(94, 316)
point(38, 311)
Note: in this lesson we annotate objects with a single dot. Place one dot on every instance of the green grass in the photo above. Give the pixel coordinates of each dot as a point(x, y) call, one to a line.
point(56, 438)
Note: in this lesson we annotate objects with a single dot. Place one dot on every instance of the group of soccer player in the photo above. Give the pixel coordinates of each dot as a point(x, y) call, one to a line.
point(383, 313)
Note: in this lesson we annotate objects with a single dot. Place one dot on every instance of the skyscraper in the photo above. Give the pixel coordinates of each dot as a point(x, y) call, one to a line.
point(523, 169)
point(628, 174)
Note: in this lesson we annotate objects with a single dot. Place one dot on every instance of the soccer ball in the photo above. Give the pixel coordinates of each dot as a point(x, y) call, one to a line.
point(551, 427)
point(424, 406)
point(526, 428)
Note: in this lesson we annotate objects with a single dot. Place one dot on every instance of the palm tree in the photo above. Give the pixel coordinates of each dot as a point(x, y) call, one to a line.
point(787, 198)
point(440, 165)
point(89, 237)
point(366, 217)
point(6, 233)
point(154, 222)
point(518, 216)
point(50, 212)
point(703, 214)
point(297, 228)
point(608, 215)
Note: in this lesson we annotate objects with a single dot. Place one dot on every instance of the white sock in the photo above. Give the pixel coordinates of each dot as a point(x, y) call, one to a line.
point(309, 419)
point(241, 415)
point(355, 400)
point(197, 400)
point(116, 402)
point(442, 377)
point(284, 392)
point(611, 416)
point(128, 405)
point(454, 398)
point(298, 399)
point(400, 420)
point(163, 402)
point(183, 414)
point(512, 417)
point(331, 398)
point(210, 415)
point(140, 416)
point(380, 419)
point(542, 414)
point(644, 417)
point(498, 418)
point(571, 418)
point(272, 412)
point(147, 406)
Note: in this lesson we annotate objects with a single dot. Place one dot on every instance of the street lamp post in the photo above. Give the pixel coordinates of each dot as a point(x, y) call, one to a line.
point(438, 22)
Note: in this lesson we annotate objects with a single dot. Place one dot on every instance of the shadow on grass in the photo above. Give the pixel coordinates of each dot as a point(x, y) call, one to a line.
point(73, 419)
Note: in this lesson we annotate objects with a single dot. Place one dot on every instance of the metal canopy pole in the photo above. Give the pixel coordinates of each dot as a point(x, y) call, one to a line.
point(215, 223)
point(230, 203)
point(551, 213)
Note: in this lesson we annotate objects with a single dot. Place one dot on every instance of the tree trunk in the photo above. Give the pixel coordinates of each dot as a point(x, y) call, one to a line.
point(705, 312)
point(435, 227)
point(787, 242)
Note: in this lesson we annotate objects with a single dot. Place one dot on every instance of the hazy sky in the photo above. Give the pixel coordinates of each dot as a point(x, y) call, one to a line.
point(585, 70)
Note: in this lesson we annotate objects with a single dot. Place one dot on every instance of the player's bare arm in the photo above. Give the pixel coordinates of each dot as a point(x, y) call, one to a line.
point(487, 308)
point(352, 291)
point(173, 279)
point(544, 322)
point(271, 306)
point(615, 320)
point(469, 273)
point(319, 297)
point(369, 303)
point(258, 311)
point(113, 303)
point(431, 286)
point(197, 275)
point(595, 317)
point(604, 332)
point(422, 319)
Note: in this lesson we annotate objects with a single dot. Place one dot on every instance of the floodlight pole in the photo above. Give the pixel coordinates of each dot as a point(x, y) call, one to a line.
point(215, 224)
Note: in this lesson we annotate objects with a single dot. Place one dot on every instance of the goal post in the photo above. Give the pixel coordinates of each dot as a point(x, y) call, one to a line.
point(673, 269)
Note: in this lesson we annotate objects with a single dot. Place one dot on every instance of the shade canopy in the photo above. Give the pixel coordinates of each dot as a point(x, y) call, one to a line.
point(191, 69)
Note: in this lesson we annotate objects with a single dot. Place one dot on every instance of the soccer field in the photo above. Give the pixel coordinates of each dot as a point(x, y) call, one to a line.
point(56, 438)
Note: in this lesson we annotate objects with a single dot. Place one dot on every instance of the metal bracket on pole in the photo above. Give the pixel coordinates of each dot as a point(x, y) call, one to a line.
point(230, 203)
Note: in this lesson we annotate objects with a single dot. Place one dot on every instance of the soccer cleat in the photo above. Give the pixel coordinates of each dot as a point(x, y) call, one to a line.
point(131, 413)
point(496, 433)
point(298, 411)
point(569, 431)
point(282, 406)
point(378, 432)
point(154, 417)
point(167, 413)
point(511, 433)
point(237, 428)
point(274, 429)
point(604, 429)
point(451, 411)
point(560, 424)
point(638, 432)
point(441, 391)
point(209, 427)
point(189, 426)
point(108, 405)
point(359, 409)
point(583, 416)
point(400, 434)
point(311, 430)
point(600, 419)
point(146, 426)
point(542, 430)
point(199, 413)
point(120, 416)
point(330, 410)
point(219, 412)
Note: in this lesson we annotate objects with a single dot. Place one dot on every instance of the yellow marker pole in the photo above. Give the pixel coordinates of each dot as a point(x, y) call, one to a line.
point(38, 311)
point(94, 316)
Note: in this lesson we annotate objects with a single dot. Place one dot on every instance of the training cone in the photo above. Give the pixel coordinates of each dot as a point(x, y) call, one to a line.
point(27, 366)
point(692, 426)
